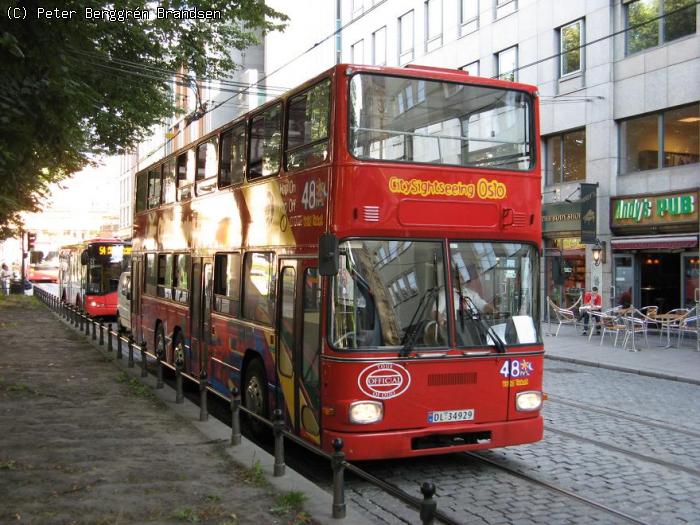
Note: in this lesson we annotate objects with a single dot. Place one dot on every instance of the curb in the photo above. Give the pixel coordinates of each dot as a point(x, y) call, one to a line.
point(627, 370)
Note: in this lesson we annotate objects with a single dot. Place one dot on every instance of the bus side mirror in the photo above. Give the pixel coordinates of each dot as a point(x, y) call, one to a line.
point(328, 255)
point(84, 257)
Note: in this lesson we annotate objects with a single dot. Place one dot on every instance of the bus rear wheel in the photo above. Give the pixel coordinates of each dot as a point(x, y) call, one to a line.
point(255, 395)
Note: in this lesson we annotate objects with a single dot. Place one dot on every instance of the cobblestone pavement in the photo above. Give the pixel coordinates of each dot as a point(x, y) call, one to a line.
point(586, 459)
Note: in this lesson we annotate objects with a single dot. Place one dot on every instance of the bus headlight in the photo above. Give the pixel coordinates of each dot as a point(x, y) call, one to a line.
point(528, 401)
point(366, 412)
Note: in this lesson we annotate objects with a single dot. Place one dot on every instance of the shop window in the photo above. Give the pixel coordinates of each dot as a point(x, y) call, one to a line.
point(307, 131)
point(232, 165)
point(653, 22)
point(570, 255)
point(570, 42)
point(227, 280)
point(566, 157)
point(265, 143)
point(680, 140)
point(258, 287)
point(507, 64)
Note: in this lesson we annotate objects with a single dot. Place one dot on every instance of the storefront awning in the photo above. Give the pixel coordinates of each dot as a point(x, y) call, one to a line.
point(661, 242)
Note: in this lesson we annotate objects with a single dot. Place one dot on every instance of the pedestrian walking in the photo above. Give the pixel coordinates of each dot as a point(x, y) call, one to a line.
point(5, 276)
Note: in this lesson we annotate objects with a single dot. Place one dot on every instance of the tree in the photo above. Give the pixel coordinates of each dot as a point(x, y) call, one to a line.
point(80, 86)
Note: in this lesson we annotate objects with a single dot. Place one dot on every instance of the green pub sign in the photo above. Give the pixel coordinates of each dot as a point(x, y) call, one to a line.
point(657, 210)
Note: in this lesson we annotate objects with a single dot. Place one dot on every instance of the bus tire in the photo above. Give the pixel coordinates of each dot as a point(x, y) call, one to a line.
point(179, 349)
point(255, 395)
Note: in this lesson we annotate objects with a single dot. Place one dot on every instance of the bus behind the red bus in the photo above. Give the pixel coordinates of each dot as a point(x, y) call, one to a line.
point(362, 253)
point(89, 274)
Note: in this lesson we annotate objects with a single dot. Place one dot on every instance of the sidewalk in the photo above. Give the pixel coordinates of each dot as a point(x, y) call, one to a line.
point(84, 441)
point(677, 364)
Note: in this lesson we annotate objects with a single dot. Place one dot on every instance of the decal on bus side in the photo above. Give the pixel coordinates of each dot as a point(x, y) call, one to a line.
point(384, 380)
point(483, 189)
point(518, 370)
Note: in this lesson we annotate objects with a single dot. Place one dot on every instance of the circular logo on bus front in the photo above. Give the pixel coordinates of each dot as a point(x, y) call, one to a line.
point(384, 380)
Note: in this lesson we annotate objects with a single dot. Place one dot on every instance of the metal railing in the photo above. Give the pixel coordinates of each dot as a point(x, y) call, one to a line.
point(426, 506)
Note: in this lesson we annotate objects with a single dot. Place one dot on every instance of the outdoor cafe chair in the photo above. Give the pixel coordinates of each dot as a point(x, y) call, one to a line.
point(563, 316)
point(635, 323)
point(671, 322)
point(609, 324)
point(689, 325)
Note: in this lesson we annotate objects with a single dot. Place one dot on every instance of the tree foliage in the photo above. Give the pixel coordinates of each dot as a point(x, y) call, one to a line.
point(78, 87)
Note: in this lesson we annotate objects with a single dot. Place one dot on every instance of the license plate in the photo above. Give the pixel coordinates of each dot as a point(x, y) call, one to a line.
point(448, 416)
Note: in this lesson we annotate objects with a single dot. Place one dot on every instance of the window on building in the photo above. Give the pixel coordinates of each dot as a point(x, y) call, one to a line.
point(169, 182)
point(357, 52)
point(358, 7)
point(406, 38)
point(472, 68)
point(469, 11)
point(652, 22)
point(570, 42)
point(181, 277)
point(232, 166)
point(307, 127)
point(206, 160)
point(433, 24)
point(379, 47)
point(265, 143)
point(676, 130)
point(566, 157)
point(227, 283)
point(507, 64)
point(258, 292)
point(505, 7)
point(154, 186)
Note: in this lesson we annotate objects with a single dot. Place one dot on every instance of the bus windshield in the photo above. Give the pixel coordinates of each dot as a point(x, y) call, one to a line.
point(106, 262)
point(391, 294)
point(428, 121)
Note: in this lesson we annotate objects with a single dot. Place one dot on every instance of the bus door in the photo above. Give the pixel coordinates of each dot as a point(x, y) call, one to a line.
point(299, 346)
point(200, 315)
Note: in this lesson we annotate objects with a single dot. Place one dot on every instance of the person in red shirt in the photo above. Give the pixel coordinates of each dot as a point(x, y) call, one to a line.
point(591, 301)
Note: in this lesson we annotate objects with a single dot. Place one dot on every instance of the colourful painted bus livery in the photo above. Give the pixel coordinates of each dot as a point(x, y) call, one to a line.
point(363, 253)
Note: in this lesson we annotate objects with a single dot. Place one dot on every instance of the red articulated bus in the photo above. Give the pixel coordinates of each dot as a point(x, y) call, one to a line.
point(362, 253)
point(89, 274)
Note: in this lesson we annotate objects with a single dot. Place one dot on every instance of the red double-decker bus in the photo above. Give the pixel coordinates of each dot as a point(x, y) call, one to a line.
point(89, 274)
point(363, 253)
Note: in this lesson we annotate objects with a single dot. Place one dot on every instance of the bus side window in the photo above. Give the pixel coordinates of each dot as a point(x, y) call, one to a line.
point(227, 276)
point(258, 288)
point(154, 186)
point(169, 181)
point(307, 128)
point(265, 143)
point(165, 275)
point(151, 274)
point(232, 166)
point(181, 279)
point(141, 191)
point(206, 160)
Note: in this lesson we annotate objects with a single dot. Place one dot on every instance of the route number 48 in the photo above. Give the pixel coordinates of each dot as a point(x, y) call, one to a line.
point(511, 368)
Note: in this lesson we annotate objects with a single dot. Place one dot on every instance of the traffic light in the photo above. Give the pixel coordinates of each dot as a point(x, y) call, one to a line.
point(31, 239)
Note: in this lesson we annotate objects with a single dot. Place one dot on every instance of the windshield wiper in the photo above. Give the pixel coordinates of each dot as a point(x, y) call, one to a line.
point(485, 328)
point(409, 338)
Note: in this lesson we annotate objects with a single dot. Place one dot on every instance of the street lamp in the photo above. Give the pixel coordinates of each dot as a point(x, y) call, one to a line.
point(598, 252)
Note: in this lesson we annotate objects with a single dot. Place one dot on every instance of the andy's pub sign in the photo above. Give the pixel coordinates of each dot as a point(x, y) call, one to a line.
point(659, 211)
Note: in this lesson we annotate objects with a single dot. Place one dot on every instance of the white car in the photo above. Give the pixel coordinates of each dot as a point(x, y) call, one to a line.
point(124, 303)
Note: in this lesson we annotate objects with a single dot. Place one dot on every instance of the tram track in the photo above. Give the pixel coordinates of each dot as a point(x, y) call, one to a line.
point(555, 488)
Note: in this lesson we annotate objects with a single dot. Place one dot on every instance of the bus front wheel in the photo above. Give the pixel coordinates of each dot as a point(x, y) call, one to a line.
point(255, 395)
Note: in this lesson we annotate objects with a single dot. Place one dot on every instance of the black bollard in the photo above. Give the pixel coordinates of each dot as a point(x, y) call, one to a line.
point(87, 325)
point(159, 367)
point(119, 346)
point(80, 320)
point(338, 465)
point(109, 337)
point(277, 428)
point(94, 329)
point(428, 506)
point(235, 416)
point(144, 360)
point(179, 396)
point(131, 351)
point(102, 334)
point(203, 382)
